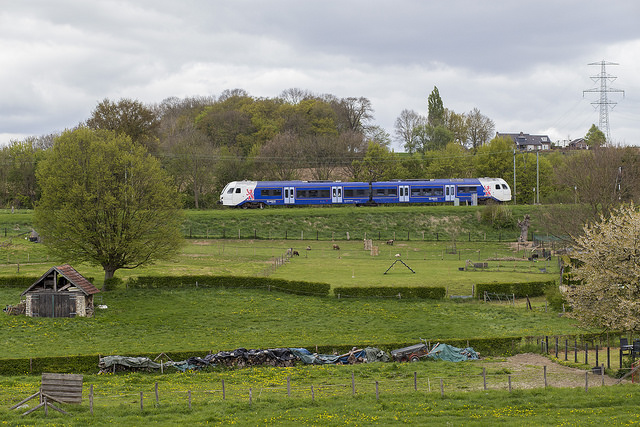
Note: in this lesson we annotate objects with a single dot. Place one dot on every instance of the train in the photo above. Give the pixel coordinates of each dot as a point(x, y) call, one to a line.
point(259, 194)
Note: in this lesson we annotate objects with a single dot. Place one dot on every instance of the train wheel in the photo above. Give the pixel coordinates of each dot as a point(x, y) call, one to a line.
point(414, 358)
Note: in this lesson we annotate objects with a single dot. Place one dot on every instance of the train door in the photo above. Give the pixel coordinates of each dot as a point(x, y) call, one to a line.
point(404, 193)
point(289, 195)
point(336, 194)
point(449, 193)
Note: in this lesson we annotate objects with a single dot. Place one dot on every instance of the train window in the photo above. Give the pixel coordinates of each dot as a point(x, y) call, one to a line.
point(230, 191)
point(427, 192)
point(379, 191)
point(416, 192)
point(360, 192)
point(437, 192)
point(497, 186)
point(348, 192)
point(324, 193)
point(238, 190)
point(505, 187)
point(392, 192)
point(470, 189)
point(275, 192)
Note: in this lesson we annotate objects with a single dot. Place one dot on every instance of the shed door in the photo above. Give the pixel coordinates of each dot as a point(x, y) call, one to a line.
point(53, 304)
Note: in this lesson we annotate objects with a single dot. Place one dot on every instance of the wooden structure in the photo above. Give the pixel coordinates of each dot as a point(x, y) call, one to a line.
point(60, 388)
point(60, 292)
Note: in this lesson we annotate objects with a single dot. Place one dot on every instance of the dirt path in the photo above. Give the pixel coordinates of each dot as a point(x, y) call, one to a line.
point(527, 371)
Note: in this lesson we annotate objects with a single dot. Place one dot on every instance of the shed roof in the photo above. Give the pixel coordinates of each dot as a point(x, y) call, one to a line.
point(72, 276)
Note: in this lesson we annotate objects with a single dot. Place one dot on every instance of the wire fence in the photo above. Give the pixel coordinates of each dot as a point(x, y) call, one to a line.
point(222, 391)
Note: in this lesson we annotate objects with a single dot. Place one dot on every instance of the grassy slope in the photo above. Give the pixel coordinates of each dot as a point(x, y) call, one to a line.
point(202, 319)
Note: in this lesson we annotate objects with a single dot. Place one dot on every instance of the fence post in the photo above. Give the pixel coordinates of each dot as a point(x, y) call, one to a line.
point(415, 381)
point(509, 383)
point(586, 353)
point(544, 368)
point(189, 393)
point(484, 377)
point(597, 361)
point(575, 350)
point(313, 395)
point(223, 391)
point(289, 386)
point(91, 399)
point(566, 345)
point(441, 387)
point(377, 393)
point(141, 400)
point(250, 396)
point(353, 384)
point(586, 381)
point(157, 397)
point(608, 357)
point(556, 347)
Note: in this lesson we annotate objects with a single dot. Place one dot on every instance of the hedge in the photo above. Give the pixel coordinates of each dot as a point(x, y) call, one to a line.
point(22, 282)
point(520, 290)
point(288, 286)
point(389, 291)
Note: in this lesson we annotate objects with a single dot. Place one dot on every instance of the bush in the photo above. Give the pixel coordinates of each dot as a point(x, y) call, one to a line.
point(498, 216)
point(22, 282)
point(555, 298)
point(112, 284)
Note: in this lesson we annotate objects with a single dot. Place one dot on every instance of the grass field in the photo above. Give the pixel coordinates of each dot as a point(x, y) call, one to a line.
point(259, 397)
point(200, 320)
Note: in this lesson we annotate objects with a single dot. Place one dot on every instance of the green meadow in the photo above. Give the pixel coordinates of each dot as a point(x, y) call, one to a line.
point(201, 320)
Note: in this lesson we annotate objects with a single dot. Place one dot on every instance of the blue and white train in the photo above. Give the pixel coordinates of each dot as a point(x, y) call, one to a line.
point(258, 194)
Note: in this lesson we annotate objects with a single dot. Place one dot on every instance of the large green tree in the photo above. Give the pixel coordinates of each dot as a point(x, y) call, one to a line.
point(107, 202)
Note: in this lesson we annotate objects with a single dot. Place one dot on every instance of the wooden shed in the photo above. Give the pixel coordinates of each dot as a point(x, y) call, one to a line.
point(60, 292)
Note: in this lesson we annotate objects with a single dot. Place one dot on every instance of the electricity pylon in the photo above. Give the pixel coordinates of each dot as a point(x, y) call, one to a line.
point(603, 103)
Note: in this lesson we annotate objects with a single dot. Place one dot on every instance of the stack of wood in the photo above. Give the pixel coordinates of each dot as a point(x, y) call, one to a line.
point(16, 310)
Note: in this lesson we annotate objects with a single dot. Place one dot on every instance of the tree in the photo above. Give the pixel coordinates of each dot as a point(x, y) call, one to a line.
point(608, 255)
point(127, 117)
point(280, 158)
point(405, 126)
point(480, 128)
point(107, 202)
point(430, 138)
point(495, 159)
point(436, 108)
point(452, 162)
point(377, 165)
point(595, 138)
point(457, 124)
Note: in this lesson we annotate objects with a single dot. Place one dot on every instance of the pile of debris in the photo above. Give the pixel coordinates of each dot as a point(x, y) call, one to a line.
point(241, 357)
point(16, 310)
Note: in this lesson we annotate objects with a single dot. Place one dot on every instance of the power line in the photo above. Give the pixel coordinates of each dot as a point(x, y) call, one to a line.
point(603, 103)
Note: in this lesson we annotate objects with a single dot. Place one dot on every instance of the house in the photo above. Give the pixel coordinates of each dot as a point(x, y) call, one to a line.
point(526, 142)
point(60, 292)
point(578, 144)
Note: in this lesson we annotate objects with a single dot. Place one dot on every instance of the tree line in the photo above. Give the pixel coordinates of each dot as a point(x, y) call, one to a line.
point(205, 142)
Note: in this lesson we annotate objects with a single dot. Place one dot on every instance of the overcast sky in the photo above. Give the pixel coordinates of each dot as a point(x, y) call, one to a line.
point(522, 63)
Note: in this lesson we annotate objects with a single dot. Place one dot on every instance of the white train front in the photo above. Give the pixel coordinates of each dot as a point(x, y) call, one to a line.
point(258, 194)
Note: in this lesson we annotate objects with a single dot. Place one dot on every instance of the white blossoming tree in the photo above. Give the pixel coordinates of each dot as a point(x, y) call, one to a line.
point(609, 267)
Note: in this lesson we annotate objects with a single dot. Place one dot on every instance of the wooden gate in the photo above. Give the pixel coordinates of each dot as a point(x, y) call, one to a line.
point(53, 304)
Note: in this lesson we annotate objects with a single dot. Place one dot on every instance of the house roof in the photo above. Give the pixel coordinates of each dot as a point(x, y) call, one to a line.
point(524, 139)
point(72, 276)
